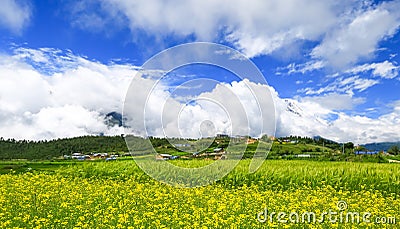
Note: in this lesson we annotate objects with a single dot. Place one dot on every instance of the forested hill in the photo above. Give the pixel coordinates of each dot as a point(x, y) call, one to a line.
point(39, 150)
point(381, 146)
point(13, 149)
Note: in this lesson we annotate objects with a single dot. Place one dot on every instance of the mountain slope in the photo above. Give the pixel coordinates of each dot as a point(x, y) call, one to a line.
point(380, 146)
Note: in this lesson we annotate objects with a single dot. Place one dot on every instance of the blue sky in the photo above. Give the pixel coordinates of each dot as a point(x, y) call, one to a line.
point(338, 62)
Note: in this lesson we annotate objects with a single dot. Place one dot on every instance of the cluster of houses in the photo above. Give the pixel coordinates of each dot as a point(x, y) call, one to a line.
point(182, 145)
point(217, 154)
point(285, 141)
point(92, 156)
point(165, 156)
point(368, 152)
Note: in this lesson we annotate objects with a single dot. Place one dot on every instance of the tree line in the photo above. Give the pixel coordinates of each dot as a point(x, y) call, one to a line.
point(48, 149)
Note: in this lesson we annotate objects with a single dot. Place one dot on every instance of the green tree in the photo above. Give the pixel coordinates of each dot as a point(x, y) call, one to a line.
point(394, 150)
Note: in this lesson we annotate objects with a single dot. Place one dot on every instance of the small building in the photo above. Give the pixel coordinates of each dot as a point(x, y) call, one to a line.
point(222, 136)
point(303, 155)
point(99, 156)
point(76, 155)
point(164, 156)
point(393, 161)
point(366, 152)
point(83, 157)
point(182, 145)
point(220, 157)
point(112, 158)
point(251, 141)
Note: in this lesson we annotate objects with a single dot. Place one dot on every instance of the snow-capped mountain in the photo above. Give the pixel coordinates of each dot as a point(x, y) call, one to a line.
point(293, 107)
point(298, 118)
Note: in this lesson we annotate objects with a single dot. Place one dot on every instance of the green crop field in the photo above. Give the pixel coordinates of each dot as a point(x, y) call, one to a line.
point(118, 194)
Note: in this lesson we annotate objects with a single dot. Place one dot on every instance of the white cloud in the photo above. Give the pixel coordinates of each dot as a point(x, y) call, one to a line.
point(359, 38)
point(74, 101)
point(302, 68)
point(256, 27)
point(349, 82)
point(307, 116)
point(54, 122)
point(267, 26)
point(316, 119)
point(232, 108)
point(344, 32)
point(360, 129)
point(347, 85)
point(384, 69)
point(48, 93)
point(14, 15)
point(335, 101)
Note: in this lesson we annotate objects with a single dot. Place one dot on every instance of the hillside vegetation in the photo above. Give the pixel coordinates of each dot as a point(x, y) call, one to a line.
point(292, 147)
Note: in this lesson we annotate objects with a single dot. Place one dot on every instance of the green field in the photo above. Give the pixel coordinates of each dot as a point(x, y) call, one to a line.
point(118, 194)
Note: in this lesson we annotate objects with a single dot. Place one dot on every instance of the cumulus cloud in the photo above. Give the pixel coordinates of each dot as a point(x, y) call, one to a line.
point(55, 122)
point(361, 129)
point(236, 108)
point(344, 32)
point(309, 118)
point(36, 103)
point(49, 93)
point(360, 37)
point(14, 15)
point(335, 101)
point(40, 103)
point(257, 27)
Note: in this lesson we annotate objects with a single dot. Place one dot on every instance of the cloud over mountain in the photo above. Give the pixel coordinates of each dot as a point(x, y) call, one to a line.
point(49, 93)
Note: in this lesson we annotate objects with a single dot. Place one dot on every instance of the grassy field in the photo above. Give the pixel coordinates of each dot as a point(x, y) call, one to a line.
point(118, 194)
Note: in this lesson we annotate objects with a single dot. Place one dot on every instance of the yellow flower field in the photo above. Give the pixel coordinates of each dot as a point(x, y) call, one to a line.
point(72, 197)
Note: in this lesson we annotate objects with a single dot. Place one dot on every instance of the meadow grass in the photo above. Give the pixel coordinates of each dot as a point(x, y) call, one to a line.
point(273, 174)
point(119, 194)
